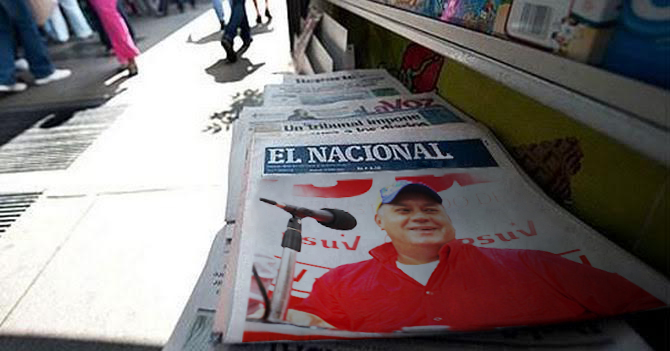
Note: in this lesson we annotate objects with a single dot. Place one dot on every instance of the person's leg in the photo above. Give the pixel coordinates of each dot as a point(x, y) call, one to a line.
point(119, 35)
point(75, 17)
point(259, 20)
point(245, 33)
point(163, 7)
point(218, 8)
point(97, 25)
point(151, 7)
point(180, 5)
point(141, 8)
point(56, 27)
point(236, 14)
point(132, 6)
point(7, 49)
point(267, 10)
point(124, 15)
point(50, 30)
point(26, 30)
point(137, 7)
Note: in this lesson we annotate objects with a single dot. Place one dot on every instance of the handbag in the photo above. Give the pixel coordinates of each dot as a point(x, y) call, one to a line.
point(42, 9)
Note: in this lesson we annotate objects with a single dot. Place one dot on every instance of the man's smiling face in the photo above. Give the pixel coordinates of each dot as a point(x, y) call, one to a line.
point(415, 219)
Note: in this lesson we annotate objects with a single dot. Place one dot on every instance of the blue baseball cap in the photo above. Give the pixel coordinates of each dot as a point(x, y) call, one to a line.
point(388, 193)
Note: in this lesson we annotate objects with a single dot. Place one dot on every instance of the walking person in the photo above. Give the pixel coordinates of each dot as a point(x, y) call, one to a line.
point(238, 19)
point(259, 19)
point(18, 25)
point(119, 35)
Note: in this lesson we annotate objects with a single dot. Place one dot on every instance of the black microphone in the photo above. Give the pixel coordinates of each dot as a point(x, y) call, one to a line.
point(329, 217)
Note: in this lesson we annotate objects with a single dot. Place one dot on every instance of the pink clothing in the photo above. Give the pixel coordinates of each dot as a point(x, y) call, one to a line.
point(117, 31)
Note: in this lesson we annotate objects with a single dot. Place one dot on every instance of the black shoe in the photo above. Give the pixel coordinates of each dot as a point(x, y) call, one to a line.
point(259, 20)
point(228, 47)
point(243, 48)
point(132, 69)
point(180, 6)
point(223, 25)
point(267, 14)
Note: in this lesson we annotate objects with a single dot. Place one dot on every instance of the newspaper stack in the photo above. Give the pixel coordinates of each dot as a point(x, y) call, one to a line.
point(365, 217)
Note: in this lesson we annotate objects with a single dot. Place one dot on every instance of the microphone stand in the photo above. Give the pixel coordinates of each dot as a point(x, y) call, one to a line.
point(291, 244)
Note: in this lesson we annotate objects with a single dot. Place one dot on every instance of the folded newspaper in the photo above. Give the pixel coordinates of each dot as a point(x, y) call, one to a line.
point(332, 77)
point(413, 232)
point(194, 328)
point(363, 87)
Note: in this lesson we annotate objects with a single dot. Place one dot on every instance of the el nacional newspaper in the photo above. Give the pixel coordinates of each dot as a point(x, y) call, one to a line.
point(501, 228)
point(358, 116)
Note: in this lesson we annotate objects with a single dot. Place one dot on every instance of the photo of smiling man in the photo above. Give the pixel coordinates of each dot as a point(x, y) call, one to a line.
point(423, 277)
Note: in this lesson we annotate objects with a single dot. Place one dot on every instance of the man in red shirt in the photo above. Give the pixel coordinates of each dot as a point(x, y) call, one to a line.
point(424, 277)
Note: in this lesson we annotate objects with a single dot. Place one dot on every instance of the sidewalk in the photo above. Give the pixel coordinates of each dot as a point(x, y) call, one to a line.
point(107, 256)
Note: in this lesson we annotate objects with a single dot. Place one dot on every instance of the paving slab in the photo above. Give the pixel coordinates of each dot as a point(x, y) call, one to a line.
point(117, 273)
point(32, 242)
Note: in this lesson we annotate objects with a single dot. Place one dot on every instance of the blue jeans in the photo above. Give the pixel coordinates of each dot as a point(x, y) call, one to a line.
point(16, 22)
point(57, 28)
point(218, 8)
point(238, 18)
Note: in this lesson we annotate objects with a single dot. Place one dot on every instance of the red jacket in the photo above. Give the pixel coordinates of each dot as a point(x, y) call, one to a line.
point(471, 288)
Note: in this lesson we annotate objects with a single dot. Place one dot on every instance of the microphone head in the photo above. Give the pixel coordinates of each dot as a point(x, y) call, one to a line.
point(267, 201)
point(342, 220)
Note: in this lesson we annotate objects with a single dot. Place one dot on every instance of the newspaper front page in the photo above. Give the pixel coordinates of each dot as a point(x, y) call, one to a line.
point(350, 117)
point(506, 255)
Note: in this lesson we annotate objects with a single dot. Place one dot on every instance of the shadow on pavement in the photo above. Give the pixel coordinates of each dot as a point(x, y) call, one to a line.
point(39, 343)
point(216, 36)
point(262, 28)
point(224, 72)
point(49, 140)
point(13, 124)
point(57, 119)
point(258, 29)
point(224, 119)
point(15, 119)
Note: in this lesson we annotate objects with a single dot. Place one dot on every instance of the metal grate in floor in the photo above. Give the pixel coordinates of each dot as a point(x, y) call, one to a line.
point(12, 206)
point(54, 141)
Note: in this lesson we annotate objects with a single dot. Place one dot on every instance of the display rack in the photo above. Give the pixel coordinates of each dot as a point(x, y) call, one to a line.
point(633, 113)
